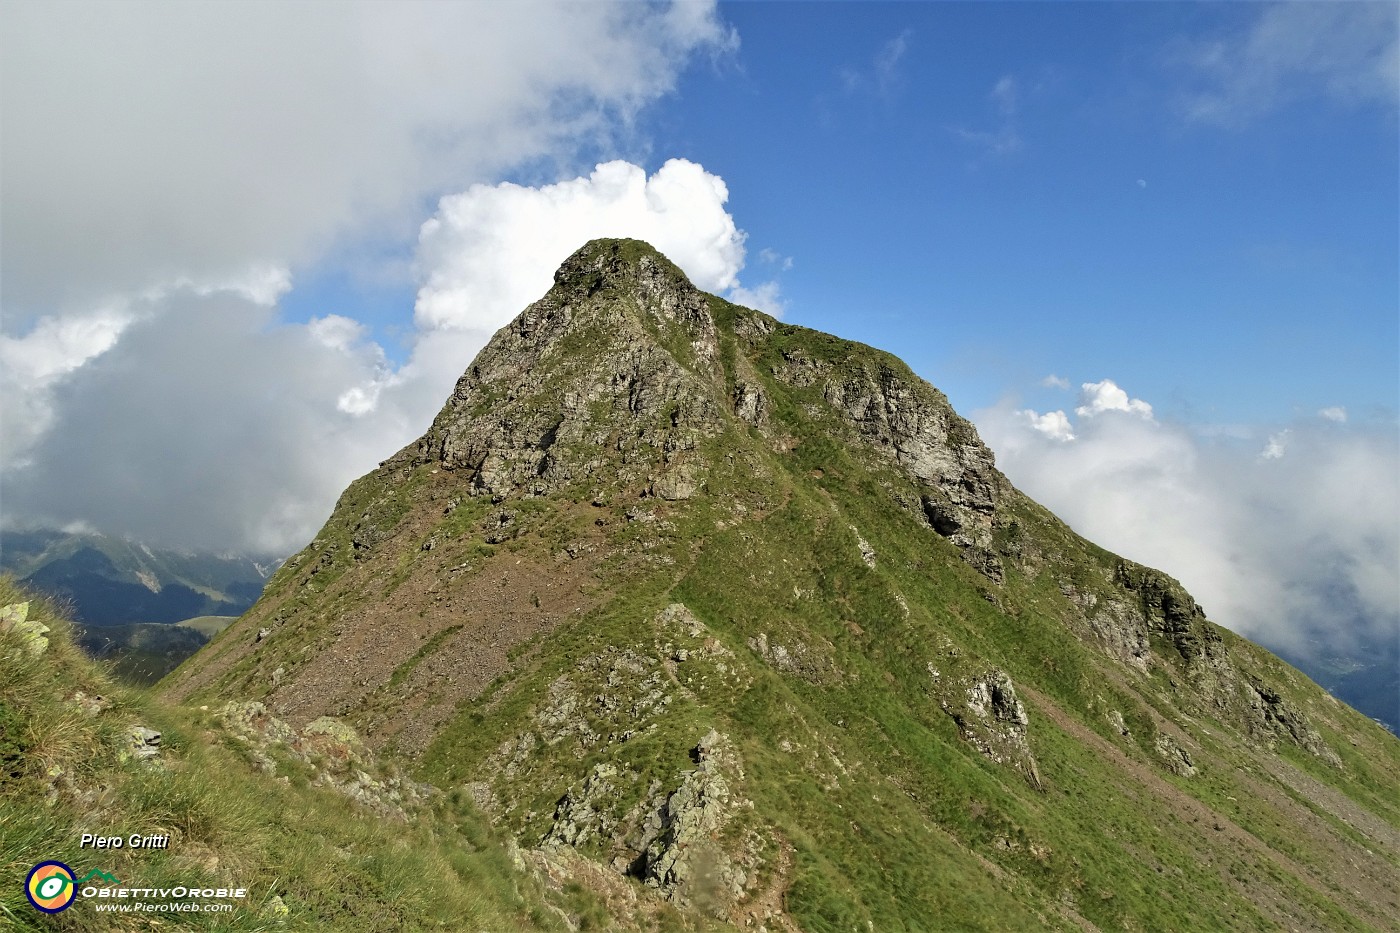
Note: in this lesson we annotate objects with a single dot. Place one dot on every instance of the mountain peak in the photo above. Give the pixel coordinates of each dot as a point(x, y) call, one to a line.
point(614, 259)
point(610, 373)
point(741, 609)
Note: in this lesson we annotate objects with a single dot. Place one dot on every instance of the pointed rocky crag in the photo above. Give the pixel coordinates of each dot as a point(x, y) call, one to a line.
point(722, 615)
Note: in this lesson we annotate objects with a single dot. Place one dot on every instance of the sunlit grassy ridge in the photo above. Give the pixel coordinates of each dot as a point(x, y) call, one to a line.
point(308, 858)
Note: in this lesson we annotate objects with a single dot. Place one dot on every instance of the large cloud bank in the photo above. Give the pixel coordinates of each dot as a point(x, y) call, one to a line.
point(147, 142)
point(168, 165)
point(1288, 535)
point(203, 420)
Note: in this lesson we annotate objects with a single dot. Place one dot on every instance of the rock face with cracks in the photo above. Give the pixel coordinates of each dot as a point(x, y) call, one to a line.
point(683, 855)
point(993, 719)
point(536, 411)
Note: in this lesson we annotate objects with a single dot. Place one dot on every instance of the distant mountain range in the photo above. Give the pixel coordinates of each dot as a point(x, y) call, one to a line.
point(113, 581)
point(141, 609)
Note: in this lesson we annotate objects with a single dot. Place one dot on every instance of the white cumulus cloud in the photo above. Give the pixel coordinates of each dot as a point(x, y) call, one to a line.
point(493, 248)
point(766, 297)
point(1095, 398)
point(149, 142)
point(32, 364)
point(1284, 549)
point(1053, 424)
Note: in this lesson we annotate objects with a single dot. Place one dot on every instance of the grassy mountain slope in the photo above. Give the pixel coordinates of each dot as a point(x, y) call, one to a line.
point(264, 811)
point(698, 603)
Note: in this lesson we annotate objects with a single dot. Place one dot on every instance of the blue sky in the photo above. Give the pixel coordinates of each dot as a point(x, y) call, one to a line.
point(1002, 191)
point(247, 250)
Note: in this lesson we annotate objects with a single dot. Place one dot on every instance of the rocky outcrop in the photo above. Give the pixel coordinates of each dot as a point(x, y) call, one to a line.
point(1271, 717)
point(683, 854)
point(1171, 614)
point(331, 751)
point(33, 633)
point(910, 422)
point(750, 403)
point(612, 370)
point(675, 840)
point(797, 659)
point(142, 744)
point(1116, 624)
point(1145, 607)
point(1176, 758)
point(993, 719)
point(586, 814)
point(867, 553)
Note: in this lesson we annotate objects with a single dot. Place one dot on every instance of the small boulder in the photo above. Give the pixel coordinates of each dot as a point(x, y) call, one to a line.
point(15, 618)
point(143, 743)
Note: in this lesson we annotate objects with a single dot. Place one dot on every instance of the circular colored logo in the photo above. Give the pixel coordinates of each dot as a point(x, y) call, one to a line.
point(50, 887)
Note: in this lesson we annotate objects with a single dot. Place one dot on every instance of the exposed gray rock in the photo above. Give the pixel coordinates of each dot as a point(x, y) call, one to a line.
point(1115, 719)
point(800, 369)
point(680, 616)
point(867, 553)
point(1164, 610)
point(750, 404)
point(32, 633)
point(334, 753)
point(610, 373)
point(91, 705)
point(275, 910)
point(910, 422)
point(992, 718)
point(143, 744)
point(335, 731)
point(794, 659)
point(987, 563)
point(583, 815)
point(683, 855)
point(1271, 716)
point(1119, 628)
point(678, 482)
point(1176, 757)
point(1171, 613)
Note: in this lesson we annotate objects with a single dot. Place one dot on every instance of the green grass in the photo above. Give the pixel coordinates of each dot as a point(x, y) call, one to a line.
point(62, 772)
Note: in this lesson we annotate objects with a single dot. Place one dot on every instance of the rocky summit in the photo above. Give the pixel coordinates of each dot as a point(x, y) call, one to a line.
point(727, 622)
